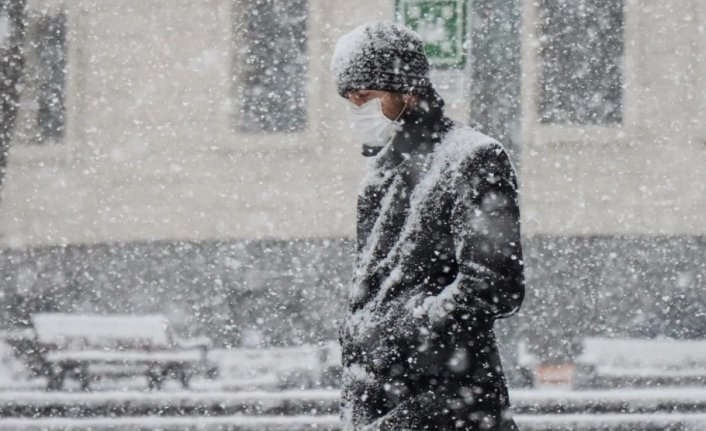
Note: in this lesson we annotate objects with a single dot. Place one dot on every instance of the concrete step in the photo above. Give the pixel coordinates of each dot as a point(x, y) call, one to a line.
point(183, 403)
point(574, 422)
point(326, 402)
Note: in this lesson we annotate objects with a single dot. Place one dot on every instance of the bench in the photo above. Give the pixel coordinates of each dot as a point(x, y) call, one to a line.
point(614, 362)
point(274, 367)
point(91, 347)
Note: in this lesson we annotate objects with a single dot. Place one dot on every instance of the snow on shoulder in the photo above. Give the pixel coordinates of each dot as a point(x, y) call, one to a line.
point(459, 146)
point(463, 142)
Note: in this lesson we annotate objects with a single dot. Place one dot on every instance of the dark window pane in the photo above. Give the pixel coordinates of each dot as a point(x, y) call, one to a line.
point(272, 69)
point(51, 48)
point(581, 52)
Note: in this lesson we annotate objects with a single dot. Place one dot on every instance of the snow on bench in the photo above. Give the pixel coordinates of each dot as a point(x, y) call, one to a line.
point(614, 362)
point(92, 346)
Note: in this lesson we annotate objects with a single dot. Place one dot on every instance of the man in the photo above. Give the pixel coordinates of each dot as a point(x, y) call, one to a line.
point(438, 249)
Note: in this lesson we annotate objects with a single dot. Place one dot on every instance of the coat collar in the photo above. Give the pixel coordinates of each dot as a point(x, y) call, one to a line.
point(417, 127)
point(420, 128)
point(417, 137)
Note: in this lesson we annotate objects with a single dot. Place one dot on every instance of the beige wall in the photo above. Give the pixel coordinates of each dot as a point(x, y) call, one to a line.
point(150, 152)
point(645, 176)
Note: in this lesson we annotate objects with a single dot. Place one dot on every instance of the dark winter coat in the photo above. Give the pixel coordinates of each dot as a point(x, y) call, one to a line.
point(438, 260)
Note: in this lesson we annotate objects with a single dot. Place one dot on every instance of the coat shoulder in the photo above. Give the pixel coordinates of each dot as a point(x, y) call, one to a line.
point(463, 145)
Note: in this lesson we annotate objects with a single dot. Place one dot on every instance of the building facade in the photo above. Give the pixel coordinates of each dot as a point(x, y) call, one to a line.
point(194, 156)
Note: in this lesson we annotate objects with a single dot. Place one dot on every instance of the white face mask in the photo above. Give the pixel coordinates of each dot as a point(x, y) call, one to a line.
point(371, 124)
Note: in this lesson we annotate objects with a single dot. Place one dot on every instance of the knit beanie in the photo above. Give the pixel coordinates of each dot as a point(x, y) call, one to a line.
point(383, 56)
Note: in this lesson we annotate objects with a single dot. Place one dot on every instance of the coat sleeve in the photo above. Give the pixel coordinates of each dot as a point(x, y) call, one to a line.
point(485, 226)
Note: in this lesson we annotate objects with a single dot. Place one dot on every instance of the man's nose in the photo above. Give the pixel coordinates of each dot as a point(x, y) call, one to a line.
point(356, 100)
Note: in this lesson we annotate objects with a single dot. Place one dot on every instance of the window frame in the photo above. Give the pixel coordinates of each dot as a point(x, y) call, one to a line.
point(534, 131)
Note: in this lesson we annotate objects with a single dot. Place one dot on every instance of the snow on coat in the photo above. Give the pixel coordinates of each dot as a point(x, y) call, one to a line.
point(438, 260)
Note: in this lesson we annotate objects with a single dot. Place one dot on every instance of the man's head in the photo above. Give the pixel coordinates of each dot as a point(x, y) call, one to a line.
point(393, 105)
point(381, 60)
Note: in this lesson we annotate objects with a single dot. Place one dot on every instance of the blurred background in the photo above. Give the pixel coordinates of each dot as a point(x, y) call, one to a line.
point(192, 159)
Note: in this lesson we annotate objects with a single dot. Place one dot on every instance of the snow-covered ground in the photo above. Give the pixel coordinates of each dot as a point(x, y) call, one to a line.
point(231, 423)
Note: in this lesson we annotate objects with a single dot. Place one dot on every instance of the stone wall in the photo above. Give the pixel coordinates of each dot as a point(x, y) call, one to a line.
point(639, 286)
point(294, 291)
point(290, 291)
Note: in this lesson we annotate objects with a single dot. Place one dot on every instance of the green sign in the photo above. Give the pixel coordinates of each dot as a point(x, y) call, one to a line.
point(442, 26)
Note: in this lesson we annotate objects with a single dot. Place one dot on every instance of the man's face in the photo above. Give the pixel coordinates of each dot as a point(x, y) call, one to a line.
point(392, 103)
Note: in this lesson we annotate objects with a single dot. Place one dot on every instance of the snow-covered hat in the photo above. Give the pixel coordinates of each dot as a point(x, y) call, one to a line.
point(381, 55)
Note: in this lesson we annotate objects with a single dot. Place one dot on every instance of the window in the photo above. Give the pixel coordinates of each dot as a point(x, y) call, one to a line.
point(6, 26)
point(271, 66)
point(51, 62)
point(11, 65)
point(581, 51)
